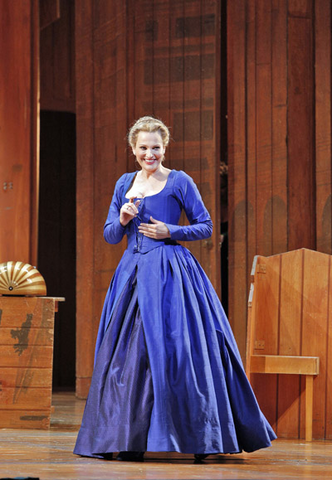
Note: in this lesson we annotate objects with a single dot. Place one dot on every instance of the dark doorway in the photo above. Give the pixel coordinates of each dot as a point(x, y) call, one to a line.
point(57, 234)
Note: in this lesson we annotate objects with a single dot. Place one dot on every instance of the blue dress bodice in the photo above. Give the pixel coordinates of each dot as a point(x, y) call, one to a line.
point(180, 193)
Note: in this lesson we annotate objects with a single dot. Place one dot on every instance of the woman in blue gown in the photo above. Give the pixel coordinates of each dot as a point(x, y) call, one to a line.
point(168, 375)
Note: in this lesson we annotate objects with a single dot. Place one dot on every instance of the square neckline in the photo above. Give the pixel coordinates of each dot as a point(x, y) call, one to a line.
point(146, 196)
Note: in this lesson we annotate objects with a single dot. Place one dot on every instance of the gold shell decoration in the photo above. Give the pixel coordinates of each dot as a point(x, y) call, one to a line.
point(18, 278)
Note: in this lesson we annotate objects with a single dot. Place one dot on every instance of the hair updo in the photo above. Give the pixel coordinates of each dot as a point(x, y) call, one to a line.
point(148, 124)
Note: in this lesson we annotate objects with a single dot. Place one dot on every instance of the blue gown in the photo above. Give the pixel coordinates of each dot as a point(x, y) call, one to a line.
point(168, 375)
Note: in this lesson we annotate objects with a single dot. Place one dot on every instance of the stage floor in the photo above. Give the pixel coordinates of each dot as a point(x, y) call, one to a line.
point(48, 455)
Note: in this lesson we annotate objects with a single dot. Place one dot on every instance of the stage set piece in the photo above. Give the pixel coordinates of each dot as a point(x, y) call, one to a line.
point(288, 337)
point(26, 347)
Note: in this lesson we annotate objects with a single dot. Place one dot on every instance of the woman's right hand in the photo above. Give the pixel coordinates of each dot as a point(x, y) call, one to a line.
point(128, 211)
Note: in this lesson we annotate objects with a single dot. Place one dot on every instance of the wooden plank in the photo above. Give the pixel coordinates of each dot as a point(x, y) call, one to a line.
point(85, 195)
point(300, 8)
point(131, 94)
point(209, 140)
point(300, 125)
point(57, 62)
point(176, 148)
point(18, 133)
point(266, 299)
point(35, 356)
point(32, 312)
point(323, 47)
point(28, 377)
point(328, 403)
point(191, 84)
point(26, 336)
point(309, 395)
point(264, 128)
point(279, 126)
point(35, 131)
point(143, 62)
point(161, 29)
point(110, 136)
point(284, 364)
point(25, 419)
point(314, 330)
point(291, 291)
point(251, 320)
point(251, 93)
point(13, 398)
point(63, 85)
point(238, 288)
point(290, 311)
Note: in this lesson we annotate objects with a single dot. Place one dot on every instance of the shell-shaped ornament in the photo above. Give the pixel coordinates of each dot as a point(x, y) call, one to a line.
point(18, 278)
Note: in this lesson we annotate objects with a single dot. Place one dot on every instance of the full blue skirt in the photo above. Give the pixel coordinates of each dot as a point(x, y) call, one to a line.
point(168, 375)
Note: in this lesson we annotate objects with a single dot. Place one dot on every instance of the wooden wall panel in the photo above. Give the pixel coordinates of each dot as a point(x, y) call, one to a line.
point(57, 56)
point(323, 126)
point(263, 127)
point(279, 126)
point(279, 139)
point(18, 130)
point(209, 145)
point(142, 58)
point(191, 109)
point(279, 82)
point(237, 199)
point(85, 313)
point(251, 133)
point(300, 115)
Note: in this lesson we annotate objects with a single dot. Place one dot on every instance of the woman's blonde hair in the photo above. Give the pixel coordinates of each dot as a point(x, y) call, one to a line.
point(148, 124)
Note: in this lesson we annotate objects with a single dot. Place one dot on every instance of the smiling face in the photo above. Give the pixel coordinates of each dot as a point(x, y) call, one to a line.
point(149, 151)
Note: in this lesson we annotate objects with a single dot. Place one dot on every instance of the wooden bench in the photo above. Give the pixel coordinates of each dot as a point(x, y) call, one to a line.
point(287, 297)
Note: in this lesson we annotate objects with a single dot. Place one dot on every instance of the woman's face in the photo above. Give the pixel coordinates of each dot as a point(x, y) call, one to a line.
point(149, 151)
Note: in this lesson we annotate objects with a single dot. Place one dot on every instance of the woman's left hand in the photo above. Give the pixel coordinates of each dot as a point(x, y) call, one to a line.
point(155, 229)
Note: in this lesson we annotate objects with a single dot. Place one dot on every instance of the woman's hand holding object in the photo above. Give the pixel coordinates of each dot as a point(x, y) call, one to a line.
point(128, 211)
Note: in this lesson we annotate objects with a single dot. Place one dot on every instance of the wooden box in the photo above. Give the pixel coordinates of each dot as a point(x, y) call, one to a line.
point(26, 358)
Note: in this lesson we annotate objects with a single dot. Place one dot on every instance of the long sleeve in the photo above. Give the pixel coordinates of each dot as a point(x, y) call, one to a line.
point(113, 230)
point(199, 218)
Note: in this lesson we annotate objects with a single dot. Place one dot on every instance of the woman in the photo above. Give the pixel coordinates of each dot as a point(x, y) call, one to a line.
point(168, 375)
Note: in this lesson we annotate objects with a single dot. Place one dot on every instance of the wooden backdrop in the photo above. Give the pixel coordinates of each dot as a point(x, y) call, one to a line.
point(279, 125)
point(57, 212)
point(134, 58)
point(18, 130)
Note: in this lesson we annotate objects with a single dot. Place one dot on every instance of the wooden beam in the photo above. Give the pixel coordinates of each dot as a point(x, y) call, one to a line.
point(284, 364)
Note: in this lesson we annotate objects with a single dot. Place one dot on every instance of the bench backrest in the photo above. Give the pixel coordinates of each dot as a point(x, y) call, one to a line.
point(290, 313)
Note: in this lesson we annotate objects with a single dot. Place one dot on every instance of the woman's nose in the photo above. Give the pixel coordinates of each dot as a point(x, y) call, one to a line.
point(148, 153)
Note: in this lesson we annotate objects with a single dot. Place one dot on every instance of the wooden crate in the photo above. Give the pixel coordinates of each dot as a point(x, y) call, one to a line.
point(26, 358)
